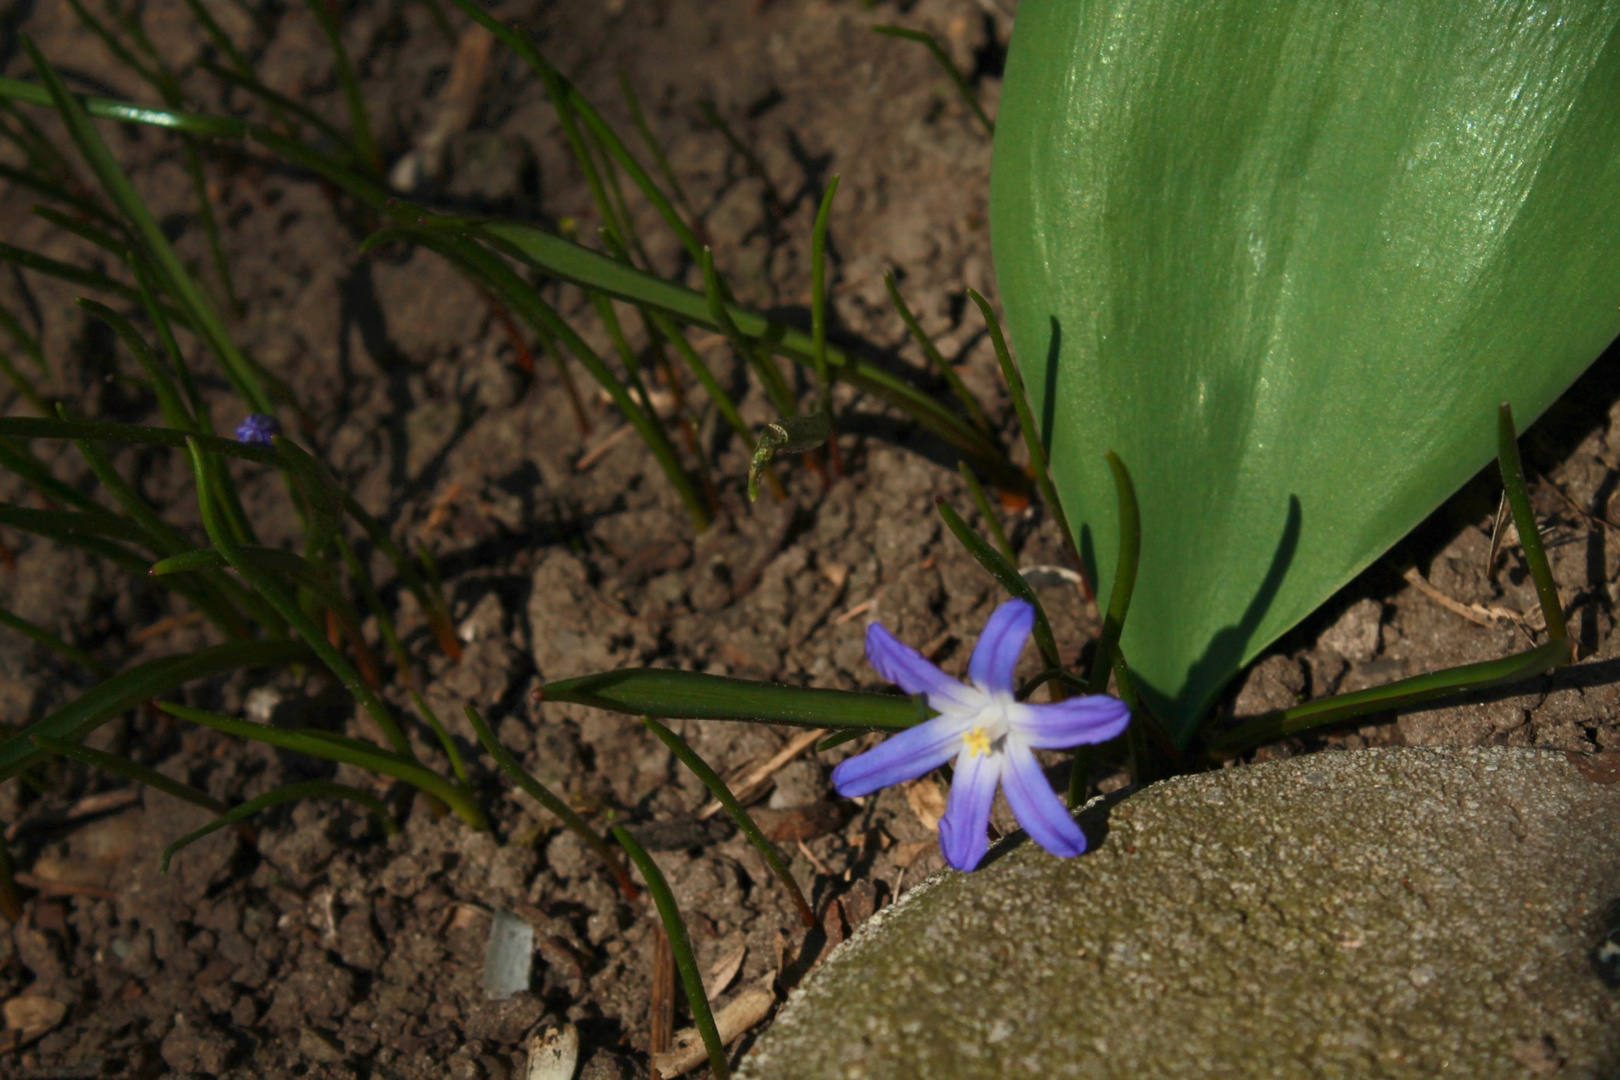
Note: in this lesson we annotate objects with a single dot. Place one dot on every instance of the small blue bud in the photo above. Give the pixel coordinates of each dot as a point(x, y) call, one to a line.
point(258, 428)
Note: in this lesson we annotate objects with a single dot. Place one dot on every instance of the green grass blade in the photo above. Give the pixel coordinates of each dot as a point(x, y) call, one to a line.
point(1119, 597)
point(176, 280)
point(37, 475)
point(90, 279)
point(691, 695)
point(308, 789)
point(946, 369)
point(639, 120)
point(1002, 569)
point(29, 427)
point(23, 385)
point(365, 145)
point(818, 296)
point(542, 795)
point(86, 531)
point(705, 376)
point(520, 297)
point(438, 616)
point(1524, 519)
point(282, 109)
point(1032, 434)
point(130, 770)
point(130, 112)
point(175, 411)
point(759, 359)
point(723, 794)
point(697, 999)
point(998, 535)
point(51, 189)
point(333, 747)
point(44, 637)
point(571, 101)
point(142, 683)
point(943, 58)
point(201, 421)
point(102, 238)
point(220, 598)
point(265, 585)
point(26, 341)
point(591, 270)
point(360, 574)
point(1401, 694)
point(451, 751)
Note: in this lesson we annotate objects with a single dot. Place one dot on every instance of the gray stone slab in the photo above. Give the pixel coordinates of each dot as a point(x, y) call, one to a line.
point(1383, 913)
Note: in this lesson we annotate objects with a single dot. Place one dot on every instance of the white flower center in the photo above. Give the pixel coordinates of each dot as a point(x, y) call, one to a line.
point(990, 726)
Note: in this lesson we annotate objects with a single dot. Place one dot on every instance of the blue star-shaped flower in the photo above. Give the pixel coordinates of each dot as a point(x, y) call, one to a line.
point(991, 735)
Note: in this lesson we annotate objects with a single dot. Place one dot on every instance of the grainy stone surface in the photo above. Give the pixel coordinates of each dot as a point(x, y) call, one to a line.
point(1383, 913)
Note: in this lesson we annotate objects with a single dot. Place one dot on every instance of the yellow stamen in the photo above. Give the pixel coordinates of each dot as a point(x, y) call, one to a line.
point(977, 741)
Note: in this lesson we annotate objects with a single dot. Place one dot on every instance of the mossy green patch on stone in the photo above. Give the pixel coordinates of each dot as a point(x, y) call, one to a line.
point(1385, 913)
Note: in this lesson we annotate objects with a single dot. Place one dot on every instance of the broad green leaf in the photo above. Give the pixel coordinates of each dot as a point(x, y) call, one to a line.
point(1286, 259)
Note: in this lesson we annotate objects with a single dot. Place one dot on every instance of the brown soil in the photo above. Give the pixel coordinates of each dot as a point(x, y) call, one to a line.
point(327, 949)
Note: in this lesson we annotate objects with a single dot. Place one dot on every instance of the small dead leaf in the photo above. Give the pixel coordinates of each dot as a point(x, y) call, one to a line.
point(926, 801)
point(799, 822)
point(28, 1016)
point(907, 853)
point(725, 969)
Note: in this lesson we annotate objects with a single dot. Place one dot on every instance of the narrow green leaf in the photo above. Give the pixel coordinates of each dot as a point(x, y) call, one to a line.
point(175, 411)
point(176, 280)
point(1002, 569)
point(308, 789)
point(963, 89)
point(697, 999)
point(334, 747)
point(359, 122)
point(74, 275)
point(818, 295)
point(202, 465)
point(451, 751)
point(1038, 464)
point(589, 269)
point(758, 358)
point(130, 770)
point(29, 427)
point(570, 102)
point(1524, 519)
point(1401, 694)
point(86, 531)
point(520, 297)
point(998, 535)
point(543, 795)
point(691, 695)
point(946, 369)
point(44, 637)
point(142, 683)
point(717, 787)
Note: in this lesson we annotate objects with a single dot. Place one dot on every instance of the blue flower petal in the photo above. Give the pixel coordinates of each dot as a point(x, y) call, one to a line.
point(1034, 803)
point(899, 758)
point(1071, 722)
point(962, 838)
point(996, 655)
point(910, 670)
